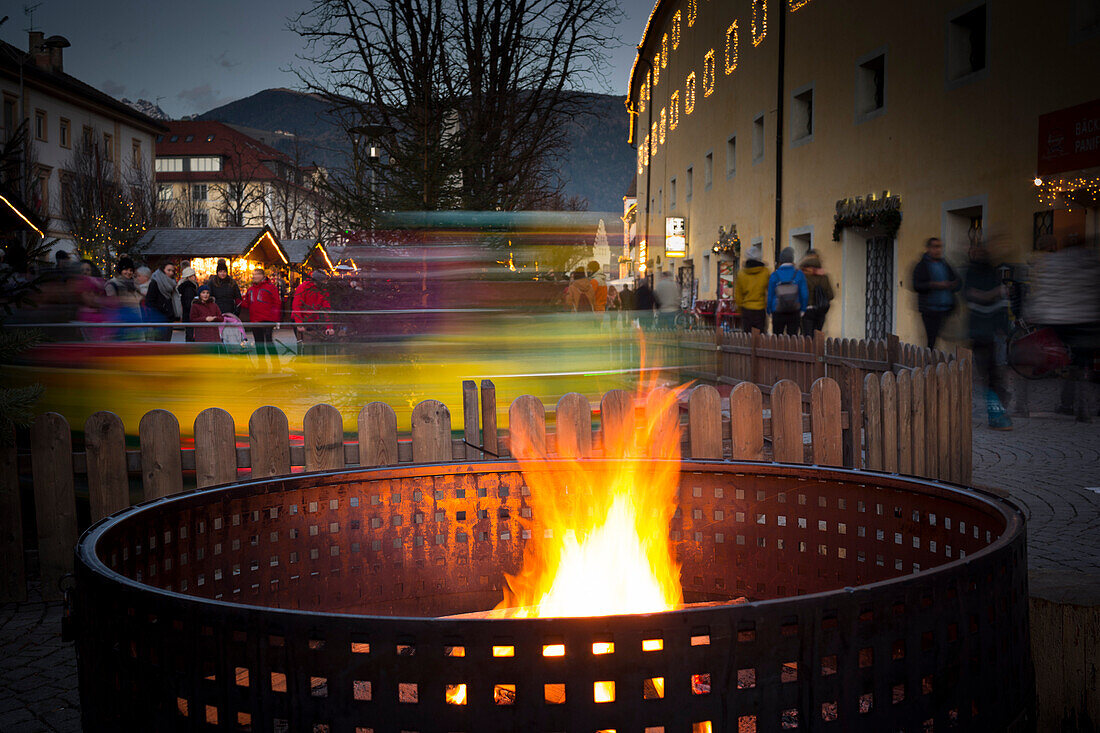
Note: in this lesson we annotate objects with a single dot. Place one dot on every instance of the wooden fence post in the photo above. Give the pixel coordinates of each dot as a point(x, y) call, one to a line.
point(269, 438)
point(323, 431)
point(943, 422)
point(893, 351)
point(54, 499)
point(377, 423)
point(489, 438)
point(931, 421)
point(705, 423)
point(966, 403)
point(215, 448)
point(663, 415)
point(954, 389)
point(161, 465)
point(108, 479)
point(574, 425)
point(825, 422)
point(905, 422)
point(872, 421)
point(431, 433)
point(819, 355)
point(746, 423)
point(527, 427)
point(617, 423)
point(920, 444)
point(471, 432)
point(889, 387)
point(13, 578)
point(787, 446)
point(754, 344)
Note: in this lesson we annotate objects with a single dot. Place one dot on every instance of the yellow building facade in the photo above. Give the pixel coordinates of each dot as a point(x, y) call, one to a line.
point(931, 109)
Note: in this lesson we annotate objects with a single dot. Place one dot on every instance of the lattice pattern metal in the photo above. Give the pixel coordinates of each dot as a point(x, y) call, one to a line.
point(879, 604)
point(880, 287)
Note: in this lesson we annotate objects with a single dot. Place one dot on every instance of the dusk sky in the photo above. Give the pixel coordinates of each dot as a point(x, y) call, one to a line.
point(197, 55)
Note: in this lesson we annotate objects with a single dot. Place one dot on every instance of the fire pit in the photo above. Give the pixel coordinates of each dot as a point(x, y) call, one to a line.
point(325, 602)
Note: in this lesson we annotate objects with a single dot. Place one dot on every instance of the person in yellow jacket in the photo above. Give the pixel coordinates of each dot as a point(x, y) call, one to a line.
point(750, 291)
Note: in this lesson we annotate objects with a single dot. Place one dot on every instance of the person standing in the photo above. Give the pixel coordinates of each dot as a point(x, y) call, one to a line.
point(788, 295)
point(668, 300)
point(162, 302)
point(750, 291)
point(224, 289)
point(205, 310)
point(598, 279)
point(936, 284)
point(820, 290)
point(580, 296)
point(263, 306)
point(142, 277)
point(644, 302)
point(309, 309)
point(188, 289)
point(987, 307)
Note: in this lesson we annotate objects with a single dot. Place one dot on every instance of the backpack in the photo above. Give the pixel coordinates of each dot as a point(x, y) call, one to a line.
point(786, 297)
point(820, 299)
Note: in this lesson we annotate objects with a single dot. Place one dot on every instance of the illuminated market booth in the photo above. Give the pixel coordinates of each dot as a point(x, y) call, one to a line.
point(307, 255)
point(242, 248)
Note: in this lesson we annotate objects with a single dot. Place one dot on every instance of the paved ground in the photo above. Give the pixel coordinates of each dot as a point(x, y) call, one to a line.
point(1048, 465)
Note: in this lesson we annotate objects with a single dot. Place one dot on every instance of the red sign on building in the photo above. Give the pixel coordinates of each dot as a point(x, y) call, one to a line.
point(1069, 139)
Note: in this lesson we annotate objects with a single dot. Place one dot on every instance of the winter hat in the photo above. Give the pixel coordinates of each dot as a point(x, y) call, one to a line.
point(754, 253)
point(221, 266)
point(319, 275)
point(787, 255)
point(187, 272)
point(124, 263)
point(202, 288)
point(810, 260)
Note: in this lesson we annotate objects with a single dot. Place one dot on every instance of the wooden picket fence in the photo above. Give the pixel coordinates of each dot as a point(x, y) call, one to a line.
point(915, 422)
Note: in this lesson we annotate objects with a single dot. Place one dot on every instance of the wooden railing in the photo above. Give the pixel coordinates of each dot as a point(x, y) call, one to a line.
point(913, 422)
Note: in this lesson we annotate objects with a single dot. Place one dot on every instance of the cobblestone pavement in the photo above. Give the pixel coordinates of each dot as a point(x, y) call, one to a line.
point(1047, 464)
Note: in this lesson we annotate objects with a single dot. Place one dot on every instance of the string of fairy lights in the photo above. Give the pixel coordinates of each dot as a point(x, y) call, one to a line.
point(1075, 191)
point(110, 234)
point(669, 116)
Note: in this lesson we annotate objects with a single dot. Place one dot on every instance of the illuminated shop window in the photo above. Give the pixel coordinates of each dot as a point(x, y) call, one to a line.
point(731, 48)
point(689, 94)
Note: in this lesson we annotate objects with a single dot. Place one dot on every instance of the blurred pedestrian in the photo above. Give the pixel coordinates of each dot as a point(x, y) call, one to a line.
point(188, 289)
point(224, 289)
point(644, 303)
point(312, 323)
point(580, 296)
point(599, 286)
point(788, 295)
point(936, 284)
point(1065, 296)
point(750, 291)
point(285, 295)
point(162, 302)
point(142, 277)
point(205, 310)
point(987, 307)
point(263, 306)
point(668, 296)
point(820, 291)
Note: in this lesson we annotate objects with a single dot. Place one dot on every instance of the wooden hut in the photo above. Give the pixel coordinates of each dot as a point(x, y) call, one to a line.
point(243, 249)
point(307, 254)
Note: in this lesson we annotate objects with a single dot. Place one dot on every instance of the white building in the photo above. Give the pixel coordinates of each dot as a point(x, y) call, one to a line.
point(61, 112)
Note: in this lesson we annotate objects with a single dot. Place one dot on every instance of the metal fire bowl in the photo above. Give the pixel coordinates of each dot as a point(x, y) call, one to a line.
point(308, 603)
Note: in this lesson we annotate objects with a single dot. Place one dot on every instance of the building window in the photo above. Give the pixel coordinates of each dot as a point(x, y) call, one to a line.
point(758, 139)
point(41, 132)
point(871, 86)
point(210, 138)
point(135, 152)
point(206, 164)
point(1042, 225)
point(189, 138)
point(9, 117)
point(672, 193)
point(1086, 19)
point(43, 192)
point(708, 169)
point(731, 156)
point(802, 116)
point(689, 183)
point(108, 146)
point(64, 133)
point(198, 192)
point(87, 137)
point(168, 165)
point(967, 43)
point(200, 219)
point(174, 139)
point(164, 192)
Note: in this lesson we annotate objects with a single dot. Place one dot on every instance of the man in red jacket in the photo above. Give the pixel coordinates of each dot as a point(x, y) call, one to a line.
point(263, 304)
point(310, 308)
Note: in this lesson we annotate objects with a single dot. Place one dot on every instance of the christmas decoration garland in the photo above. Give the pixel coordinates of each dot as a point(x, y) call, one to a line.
point(864, 213)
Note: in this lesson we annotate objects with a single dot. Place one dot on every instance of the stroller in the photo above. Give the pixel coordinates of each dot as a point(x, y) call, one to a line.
point(234, 338)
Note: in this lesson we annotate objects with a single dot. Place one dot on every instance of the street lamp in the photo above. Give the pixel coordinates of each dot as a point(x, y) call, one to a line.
point(372, 133)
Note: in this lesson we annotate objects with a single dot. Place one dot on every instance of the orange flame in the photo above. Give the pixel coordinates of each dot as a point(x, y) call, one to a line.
point(600, 529)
